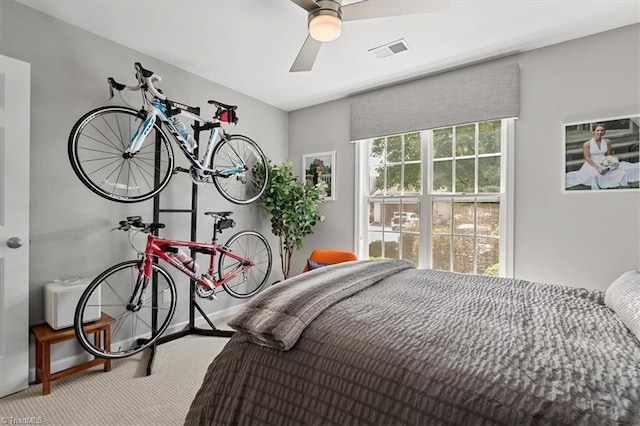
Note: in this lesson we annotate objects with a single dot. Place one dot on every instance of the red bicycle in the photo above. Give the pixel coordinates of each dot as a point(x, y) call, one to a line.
point(140, 295)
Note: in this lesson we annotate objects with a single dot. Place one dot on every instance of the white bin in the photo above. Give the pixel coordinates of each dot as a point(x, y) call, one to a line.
point(61, 298)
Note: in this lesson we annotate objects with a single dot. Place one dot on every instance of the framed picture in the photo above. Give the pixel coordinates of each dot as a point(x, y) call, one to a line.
point(602, 154)
point(320, 167)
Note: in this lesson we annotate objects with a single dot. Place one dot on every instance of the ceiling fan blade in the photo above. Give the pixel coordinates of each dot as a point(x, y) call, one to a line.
point(308, 5)
point(307, 55)
point(370, 9)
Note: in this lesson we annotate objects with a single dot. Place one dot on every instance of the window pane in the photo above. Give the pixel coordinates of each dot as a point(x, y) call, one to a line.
point(489, 218)
point(393, 179)
point(376, 249)
point(489, 174)
point(410, 247)
point(392, 209)
point(465, 140)
point(412, 179)
point(376, 213)
point(441, 235)
point(377, 151)
point(441, 252)
point(412, 147)
point(463, 255)
point(488, 256)
point(382, 241)
point(465, 175)
point(394, 149)
point(489, 137)
point(407, 218)
point(441, 217)
point(464, 218)
point(442, 176)
point(442, 143)
point(376, 180)
point(376, 167)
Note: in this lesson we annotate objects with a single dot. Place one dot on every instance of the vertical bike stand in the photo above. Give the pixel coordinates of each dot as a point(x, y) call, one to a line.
point(193, 304)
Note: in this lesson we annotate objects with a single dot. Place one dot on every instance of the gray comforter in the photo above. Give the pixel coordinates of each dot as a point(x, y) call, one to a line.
point(424, 347)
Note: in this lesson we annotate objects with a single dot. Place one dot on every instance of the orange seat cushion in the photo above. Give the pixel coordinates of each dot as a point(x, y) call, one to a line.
point(330, 256)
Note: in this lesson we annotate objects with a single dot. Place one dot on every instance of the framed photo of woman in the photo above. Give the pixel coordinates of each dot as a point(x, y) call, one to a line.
point(320, 167)
point(602, 154)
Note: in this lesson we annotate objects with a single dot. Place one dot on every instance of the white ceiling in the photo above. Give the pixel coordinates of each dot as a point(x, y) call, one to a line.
point(249, 45)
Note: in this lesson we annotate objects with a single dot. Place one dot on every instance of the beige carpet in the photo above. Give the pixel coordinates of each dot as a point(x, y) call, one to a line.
point(123, 396)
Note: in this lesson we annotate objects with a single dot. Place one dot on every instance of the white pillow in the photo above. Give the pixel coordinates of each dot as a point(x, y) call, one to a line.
point(623, 297)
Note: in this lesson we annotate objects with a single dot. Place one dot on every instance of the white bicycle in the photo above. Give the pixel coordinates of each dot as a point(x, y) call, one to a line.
point(124, 154)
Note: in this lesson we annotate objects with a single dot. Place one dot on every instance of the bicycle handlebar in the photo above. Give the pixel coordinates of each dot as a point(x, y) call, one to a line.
point(147, 78)
point(146, 81)
point(136, 222)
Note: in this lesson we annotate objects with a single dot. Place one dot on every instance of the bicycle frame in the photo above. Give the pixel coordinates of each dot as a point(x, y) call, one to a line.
point(158, 110)
point(156, 247)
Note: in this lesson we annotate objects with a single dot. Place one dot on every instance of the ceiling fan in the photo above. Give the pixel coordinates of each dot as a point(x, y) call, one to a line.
point(326, 17)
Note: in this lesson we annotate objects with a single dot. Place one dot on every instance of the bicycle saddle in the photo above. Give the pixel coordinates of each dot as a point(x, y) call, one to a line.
point(221, 105)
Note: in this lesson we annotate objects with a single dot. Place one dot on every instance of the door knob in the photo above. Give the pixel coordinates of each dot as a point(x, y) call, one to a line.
point(14, 242)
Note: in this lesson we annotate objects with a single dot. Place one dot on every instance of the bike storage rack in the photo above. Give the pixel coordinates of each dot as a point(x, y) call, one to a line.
point(193, 304)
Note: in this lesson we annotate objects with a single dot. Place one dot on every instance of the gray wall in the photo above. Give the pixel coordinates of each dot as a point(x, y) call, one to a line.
point(576, 239)
point(323, 128)
point(69, 224)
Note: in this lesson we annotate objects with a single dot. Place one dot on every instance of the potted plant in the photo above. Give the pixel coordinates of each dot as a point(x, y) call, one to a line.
point(293, 207)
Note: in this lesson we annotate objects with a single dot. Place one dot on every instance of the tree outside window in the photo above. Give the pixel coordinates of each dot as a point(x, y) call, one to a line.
point(463, 195)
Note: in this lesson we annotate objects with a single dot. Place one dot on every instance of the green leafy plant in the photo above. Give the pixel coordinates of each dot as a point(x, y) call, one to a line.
point(293, 207)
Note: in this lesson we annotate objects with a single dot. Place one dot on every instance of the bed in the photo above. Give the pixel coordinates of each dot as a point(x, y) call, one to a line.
point(384, 343)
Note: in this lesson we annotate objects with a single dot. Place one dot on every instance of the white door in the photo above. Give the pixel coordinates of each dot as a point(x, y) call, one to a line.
point(14, 224)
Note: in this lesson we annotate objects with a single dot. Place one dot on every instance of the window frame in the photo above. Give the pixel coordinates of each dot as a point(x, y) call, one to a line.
point(505, 197)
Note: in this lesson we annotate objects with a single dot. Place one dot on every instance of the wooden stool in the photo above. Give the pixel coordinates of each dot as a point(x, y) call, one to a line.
point(47, 336)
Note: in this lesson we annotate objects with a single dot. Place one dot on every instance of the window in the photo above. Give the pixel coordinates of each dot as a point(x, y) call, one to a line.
point(439, 198)
point(395, 187)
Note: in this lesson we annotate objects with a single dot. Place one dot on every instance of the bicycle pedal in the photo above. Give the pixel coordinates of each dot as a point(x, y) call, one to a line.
point(180, 169)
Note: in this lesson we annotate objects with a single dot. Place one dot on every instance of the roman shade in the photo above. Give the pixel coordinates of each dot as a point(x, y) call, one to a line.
point(473, 94)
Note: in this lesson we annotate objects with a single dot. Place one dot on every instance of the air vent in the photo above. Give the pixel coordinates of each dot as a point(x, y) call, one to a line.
point(389, 49)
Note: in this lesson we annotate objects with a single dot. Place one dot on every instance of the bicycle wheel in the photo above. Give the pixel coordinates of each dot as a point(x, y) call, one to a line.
point(134, 326)
point(97, 153)
point(250, 245)
point(239, 151)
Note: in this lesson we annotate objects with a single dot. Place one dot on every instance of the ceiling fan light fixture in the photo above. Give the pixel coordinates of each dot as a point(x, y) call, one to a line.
point(325, 27)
